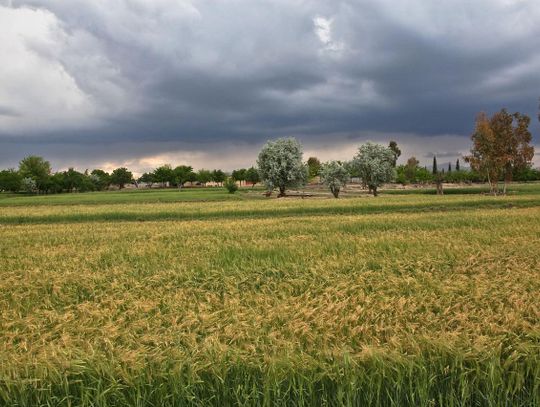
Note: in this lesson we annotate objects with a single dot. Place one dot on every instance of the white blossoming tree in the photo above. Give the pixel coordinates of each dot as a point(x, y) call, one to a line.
point(280, 165)
point(374, 164)
point(335, 176)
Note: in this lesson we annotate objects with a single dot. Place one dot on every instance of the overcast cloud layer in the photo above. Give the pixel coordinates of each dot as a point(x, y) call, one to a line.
point(89, 83)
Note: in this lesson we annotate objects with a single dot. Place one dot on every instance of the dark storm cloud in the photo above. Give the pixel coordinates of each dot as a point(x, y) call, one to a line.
point(120, 81)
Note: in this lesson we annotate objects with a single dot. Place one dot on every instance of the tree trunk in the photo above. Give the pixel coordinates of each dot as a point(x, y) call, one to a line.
point(335, 192)
point(374, 189)
point(281, 192)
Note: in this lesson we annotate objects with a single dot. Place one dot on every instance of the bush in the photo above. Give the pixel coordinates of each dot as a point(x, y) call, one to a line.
point(230, 185)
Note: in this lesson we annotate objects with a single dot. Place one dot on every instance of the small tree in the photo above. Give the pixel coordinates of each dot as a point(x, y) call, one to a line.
point(252, 176)
point(396, 152)
point(410, 169)
point(374, 163)
point(239, 175)
point(72, 180)
point(500, 146)
point(335, 176)
point(204, 176)
point(457, 165)
point(449, 167)
point(148, 178)
point(164, 174)
point(230, 185)
point(218, 176)
point(101, 179)
point(434, 168)
point(280, 165)
point(36, 168)
point(183, 174)
point(121, 177)
point(10, 180)
point(314, 166)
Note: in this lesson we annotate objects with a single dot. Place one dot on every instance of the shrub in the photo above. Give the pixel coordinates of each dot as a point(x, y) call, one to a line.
point(230, 185)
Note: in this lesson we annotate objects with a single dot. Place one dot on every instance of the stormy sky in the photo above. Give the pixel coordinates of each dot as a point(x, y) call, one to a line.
point(106, 83)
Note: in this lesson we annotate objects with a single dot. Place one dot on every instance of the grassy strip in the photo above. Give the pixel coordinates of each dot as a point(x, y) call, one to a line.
point(261, 211)
point(123, 197)
point(438, 377)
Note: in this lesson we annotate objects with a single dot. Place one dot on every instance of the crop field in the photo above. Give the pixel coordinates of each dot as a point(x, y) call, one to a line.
point(163, 299)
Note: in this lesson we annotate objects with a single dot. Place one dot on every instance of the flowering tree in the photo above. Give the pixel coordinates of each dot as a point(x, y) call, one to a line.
point(375, 165)
point(335, 176)
point(280, 165)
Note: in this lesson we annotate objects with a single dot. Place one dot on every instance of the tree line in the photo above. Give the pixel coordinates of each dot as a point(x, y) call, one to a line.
point(501, 151)
point(34, 175)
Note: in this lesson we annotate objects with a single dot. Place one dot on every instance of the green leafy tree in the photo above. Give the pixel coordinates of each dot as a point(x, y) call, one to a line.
point(423, 176)
point(335, 176)
point(230, 185)
point(410, 169)
point(239, 175)
point(86, 183)
point(121, 177)
point(183, 174)
point(314, 166)
point(148, 178)
point(10, 180)
point(56, 183)
point(396, 152)
point(204, 176)
point(252, 176)
point(101, 179)
point(218, 176)
point(280, 165)
point(72, 180)
point(164, 174)
point(36, 168)
point(375, 164)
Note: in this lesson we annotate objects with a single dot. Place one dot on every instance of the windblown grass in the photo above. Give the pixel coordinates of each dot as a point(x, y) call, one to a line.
point(400, 300)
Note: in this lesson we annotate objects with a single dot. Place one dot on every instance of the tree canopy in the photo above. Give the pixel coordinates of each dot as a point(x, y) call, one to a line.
point(280, 165)
point(335, 176)
point(375, 165)
point(501, 145)
point(121, 177)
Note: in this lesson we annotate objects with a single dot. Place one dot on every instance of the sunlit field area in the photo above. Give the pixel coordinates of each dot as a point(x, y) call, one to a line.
point(199, 297)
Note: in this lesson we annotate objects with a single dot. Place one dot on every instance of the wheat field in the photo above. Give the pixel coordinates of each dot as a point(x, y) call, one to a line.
point(412, 299)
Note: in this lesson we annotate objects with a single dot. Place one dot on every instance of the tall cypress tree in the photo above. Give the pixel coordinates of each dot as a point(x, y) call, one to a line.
point(457, 165)
point(449, 167)
point(435, 165)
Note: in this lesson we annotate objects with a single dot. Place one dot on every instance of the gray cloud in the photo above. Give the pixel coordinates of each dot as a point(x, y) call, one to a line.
point(93, 82)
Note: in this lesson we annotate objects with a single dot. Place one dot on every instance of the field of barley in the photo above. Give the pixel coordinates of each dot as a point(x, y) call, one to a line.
point(173, 298)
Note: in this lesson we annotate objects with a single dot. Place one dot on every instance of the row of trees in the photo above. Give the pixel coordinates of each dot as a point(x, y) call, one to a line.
point(281, 167)
point(501, 151)
point(182, 174)
point(35, 175)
